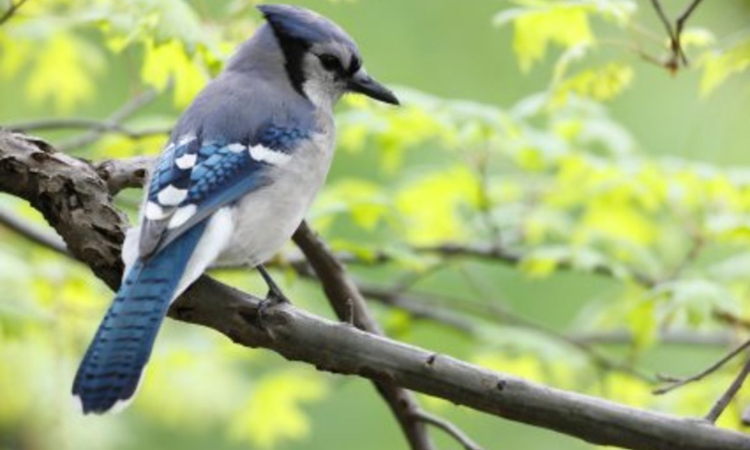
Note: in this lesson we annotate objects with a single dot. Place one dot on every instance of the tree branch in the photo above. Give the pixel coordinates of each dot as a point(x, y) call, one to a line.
point(339, 348)
point(449, 428)
point(683, 17)
point(14, 7)
point(677, 56)
point(112, 123)
point(71, 196)
point(93, 125)
point(124, 173)
point(723, 401)
point(347, 300)
point(75, 200)
point(679, 382)
point(32, 232)
point(503, 316)
point(502, 255)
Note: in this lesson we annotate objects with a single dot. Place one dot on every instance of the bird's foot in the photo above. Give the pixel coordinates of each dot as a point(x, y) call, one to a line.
point(274, 298)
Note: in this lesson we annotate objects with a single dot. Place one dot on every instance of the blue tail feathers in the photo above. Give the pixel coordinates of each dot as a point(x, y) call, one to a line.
point(111, 369)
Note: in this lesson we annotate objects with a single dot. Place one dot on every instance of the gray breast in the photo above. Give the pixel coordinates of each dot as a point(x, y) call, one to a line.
point(266, 219)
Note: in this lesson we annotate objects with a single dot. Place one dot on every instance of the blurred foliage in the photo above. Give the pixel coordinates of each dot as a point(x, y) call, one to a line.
point(553, 178)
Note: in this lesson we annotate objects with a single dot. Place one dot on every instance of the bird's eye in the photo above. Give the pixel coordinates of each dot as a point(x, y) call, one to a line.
point(355, 65)
point(330, 62)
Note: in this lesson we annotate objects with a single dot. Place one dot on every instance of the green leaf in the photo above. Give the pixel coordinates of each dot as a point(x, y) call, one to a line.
point(186, 371)
point(719, 65)
point(536, 266)
point(128, 21)
point(601, 84)
point(642, 322)
point(430, 205)
point(538, 24)
point(273, 412)
point(696, 37)
point(564, 25)
point(364, 201)
point(63, 71)
point(693, 301)
point(170, 61)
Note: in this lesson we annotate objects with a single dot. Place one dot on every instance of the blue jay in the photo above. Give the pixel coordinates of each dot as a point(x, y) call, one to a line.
point(242, 166)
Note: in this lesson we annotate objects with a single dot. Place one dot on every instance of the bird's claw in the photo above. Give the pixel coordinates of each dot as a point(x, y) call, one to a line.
point(273, 299)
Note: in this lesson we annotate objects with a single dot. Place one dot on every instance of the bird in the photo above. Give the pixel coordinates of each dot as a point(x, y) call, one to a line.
point(239, 172)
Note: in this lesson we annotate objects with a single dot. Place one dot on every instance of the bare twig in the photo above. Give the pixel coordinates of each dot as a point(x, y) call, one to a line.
point(33, 233)
point(485, 199)
point(677, 56)
point(113, 123)
point(731, 319)
point(499, 315)
point(76, 202)
point(508, 256)
point(420, 309)
point(697, 244)
point(683, 17)
point(85, 124)
point(125, 173)
point(678, 382)
point(664, 19)
point(14, 7)
point(723, 401)
point(672, 337)
point(461, 315)
point(449, 428)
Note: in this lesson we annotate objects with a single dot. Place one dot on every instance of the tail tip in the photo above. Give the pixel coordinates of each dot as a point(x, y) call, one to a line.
point(78, 404)
point(91, 406)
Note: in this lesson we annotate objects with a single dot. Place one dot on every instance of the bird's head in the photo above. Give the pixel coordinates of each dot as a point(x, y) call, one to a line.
point(321, 60)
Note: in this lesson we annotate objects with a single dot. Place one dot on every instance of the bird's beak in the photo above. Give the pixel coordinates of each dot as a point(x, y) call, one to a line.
point(363, 83)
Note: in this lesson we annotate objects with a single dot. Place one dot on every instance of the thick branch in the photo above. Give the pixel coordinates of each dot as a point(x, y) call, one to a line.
point(72, 198)
point(340, 348)
point(75, 201)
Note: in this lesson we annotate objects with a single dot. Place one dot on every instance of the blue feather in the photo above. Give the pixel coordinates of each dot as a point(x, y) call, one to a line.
point(112, 367)
point(221, 175)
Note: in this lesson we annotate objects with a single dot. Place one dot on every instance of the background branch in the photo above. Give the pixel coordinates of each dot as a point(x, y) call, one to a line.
point(679, 382)
point(449, 428)
point(31, 232)
point(93, 125)
point(113, 122)
point(677, 56)
point(11, 11)
point(723, 401)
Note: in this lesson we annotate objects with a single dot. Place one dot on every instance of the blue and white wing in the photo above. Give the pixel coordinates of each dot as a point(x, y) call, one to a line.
point(194, 178)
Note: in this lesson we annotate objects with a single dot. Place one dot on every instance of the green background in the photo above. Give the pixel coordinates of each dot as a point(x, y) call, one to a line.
point(450, 48)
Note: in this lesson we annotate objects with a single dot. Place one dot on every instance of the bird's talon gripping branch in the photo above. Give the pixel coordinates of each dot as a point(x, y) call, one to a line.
point(275, 296)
